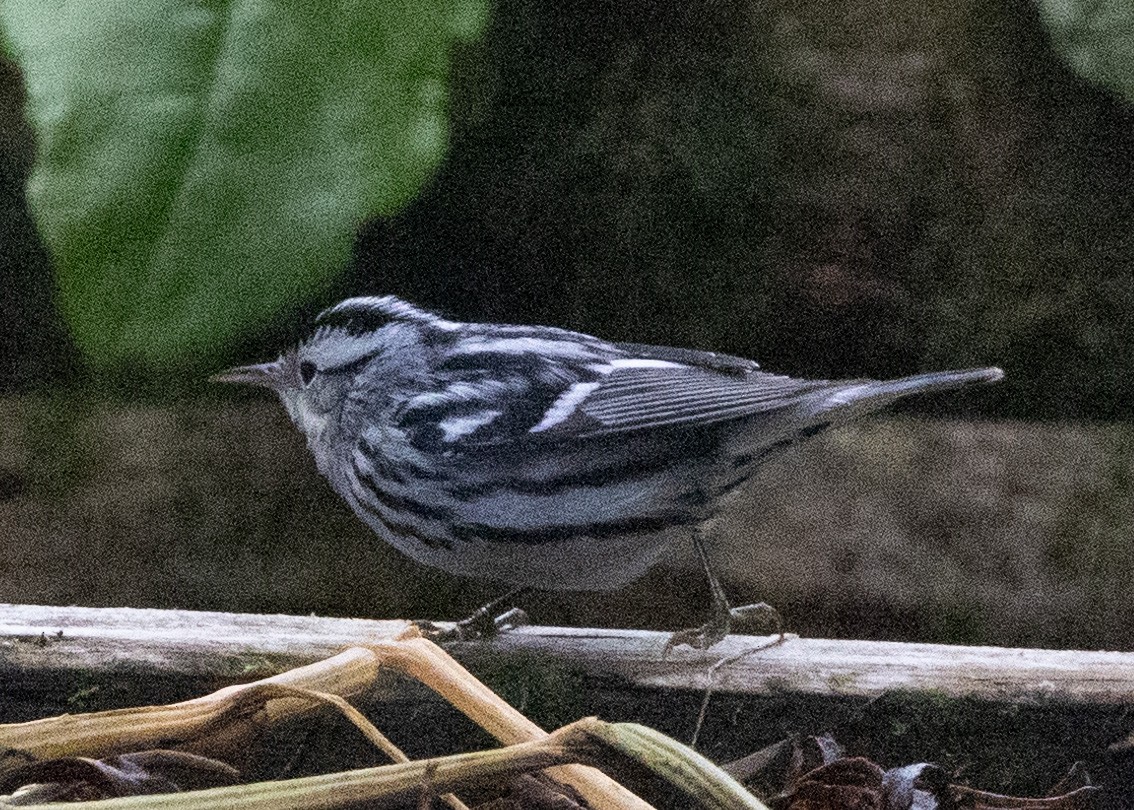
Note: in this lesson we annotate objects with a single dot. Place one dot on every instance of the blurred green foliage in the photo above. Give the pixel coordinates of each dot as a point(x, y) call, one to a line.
point(1096, 38)
point(202, 166)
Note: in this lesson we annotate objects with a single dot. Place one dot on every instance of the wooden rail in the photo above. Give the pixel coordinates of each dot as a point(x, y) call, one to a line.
point(37, 639)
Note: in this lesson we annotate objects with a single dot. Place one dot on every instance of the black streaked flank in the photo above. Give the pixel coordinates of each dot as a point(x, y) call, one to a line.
point(813, 430)
point(470, 533)
point(382, 466)
point(402, 470)
point(596, 476)
point(399, 504)
point(403, 531)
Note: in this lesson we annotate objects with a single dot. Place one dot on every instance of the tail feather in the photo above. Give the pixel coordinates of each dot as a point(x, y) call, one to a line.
point(870, 395)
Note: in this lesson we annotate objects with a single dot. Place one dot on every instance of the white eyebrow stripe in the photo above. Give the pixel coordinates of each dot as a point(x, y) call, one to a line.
point(564, 406)
point(456, 426)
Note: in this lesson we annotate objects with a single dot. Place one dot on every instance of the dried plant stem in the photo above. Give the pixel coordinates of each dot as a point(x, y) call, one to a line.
point(231, 716)
point(424, 661)
point(586, 740)
point(101, 734)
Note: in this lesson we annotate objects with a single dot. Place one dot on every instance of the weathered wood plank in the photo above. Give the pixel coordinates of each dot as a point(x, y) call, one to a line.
point(222, 645)
point(827, 667)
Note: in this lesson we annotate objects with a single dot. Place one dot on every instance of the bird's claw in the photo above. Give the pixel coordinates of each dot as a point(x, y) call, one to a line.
point(479, 626)
point(759, 616)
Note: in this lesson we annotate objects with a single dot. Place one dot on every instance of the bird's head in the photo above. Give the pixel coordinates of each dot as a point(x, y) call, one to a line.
point(313, 379)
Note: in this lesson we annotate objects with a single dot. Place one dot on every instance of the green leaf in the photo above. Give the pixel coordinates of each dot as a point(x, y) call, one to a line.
point(1096, 38)
point(202, 165)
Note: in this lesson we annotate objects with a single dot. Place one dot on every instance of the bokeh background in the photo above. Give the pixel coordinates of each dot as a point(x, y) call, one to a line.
point(836, 189)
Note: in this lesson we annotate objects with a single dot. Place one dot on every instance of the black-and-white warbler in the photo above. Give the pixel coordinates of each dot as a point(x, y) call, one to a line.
point(539, 456)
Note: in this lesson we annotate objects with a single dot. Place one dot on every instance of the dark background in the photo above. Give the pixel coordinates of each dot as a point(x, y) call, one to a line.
point(834, 190)
point(831, 190)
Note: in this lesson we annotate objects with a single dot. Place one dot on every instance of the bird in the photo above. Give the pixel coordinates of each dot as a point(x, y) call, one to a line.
point(542, 457)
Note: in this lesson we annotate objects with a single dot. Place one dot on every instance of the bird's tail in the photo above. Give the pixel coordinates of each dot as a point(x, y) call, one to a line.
point(869, 395)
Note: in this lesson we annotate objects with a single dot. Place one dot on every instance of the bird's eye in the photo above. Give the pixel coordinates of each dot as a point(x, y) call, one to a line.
point(307, 372)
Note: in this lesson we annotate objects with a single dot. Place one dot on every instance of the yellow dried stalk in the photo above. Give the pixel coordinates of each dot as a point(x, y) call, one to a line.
point(588, 739)
point(235, 711)
point(424, 661)
point(233, 715)
point(264, 692)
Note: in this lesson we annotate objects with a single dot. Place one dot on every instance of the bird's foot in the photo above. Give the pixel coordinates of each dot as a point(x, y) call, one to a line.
point(483, 623)
point(746, 618)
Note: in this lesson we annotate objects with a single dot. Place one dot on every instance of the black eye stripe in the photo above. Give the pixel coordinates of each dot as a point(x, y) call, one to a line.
point(307, 372)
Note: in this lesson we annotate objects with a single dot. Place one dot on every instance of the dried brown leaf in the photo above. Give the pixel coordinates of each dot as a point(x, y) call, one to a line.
point(144, 773)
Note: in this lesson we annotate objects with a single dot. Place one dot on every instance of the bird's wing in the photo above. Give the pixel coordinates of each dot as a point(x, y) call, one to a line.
point(492, 388)
point(520, 385)
point(642, 394)
point(530, 397)
point(712, 361)
point(639, 394)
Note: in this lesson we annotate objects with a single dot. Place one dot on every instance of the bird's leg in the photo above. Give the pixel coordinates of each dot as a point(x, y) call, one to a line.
point(723, 616)
point(484, 622)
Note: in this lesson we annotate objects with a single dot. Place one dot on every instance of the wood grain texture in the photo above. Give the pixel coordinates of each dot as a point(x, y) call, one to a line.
point(224, 645)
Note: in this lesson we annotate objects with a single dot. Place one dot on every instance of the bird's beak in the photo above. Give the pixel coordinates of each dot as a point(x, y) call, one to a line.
point(268, 375)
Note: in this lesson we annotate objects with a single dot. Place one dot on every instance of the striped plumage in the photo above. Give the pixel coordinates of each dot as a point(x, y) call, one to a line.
point(539, 456)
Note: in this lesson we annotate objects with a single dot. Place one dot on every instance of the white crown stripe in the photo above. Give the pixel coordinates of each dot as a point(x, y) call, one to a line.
point(390, 306)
